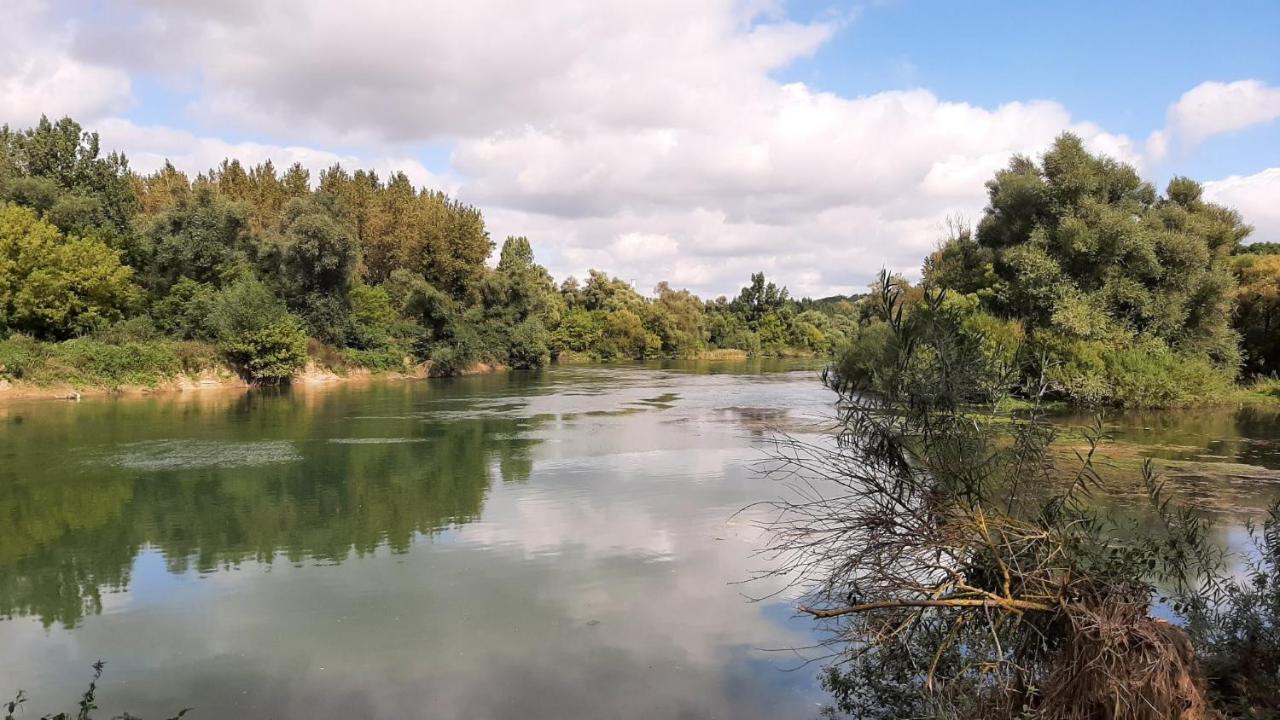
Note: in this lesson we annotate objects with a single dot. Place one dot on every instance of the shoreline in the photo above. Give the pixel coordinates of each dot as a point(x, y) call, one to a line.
point(223, 378)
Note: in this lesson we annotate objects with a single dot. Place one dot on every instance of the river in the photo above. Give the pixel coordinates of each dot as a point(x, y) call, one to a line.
point(552, 545)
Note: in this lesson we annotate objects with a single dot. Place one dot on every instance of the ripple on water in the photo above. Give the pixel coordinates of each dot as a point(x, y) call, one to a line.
point(187, 454)
point(377, 440)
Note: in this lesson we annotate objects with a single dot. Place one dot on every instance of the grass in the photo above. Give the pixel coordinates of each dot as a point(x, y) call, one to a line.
point(85, 362)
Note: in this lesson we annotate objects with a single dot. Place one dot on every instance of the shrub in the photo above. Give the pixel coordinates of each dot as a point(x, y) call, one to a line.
point(1143, 373)
point(139, 328)
point(270, 354)
point(528, 345)
point(257, 334)
point(457, 355)
point(131, 363)
point(1239, 638)
point(382, 360)
point(20, 357)
point(89, 362)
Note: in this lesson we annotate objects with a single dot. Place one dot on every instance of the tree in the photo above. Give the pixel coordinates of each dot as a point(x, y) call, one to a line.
point(315, 266)
point(62, 154)
point(1093, 260)
point(1258, 311)
point(257, 333)
point(520, 303)
point(676, 318)
point(758, 299)
point(201, 237)
point(56, 287)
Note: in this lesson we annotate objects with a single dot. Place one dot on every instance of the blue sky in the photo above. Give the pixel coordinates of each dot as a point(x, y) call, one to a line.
point(1119, 64)
point(688, 140)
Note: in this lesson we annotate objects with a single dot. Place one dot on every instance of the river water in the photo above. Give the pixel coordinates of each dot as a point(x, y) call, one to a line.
point(552, 545)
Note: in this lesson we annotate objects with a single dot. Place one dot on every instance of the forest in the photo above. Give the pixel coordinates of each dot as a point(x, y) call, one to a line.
point(122, 275)
point(1079, 277)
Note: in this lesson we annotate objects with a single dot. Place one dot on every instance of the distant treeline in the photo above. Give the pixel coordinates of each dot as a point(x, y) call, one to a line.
point(269, 266)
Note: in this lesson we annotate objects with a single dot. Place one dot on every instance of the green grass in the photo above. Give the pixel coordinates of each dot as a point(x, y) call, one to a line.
point(84, 362)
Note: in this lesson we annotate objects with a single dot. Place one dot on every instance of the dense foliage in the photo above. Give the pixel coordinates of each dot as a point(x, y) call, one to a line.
point(1110, 292)
point(375, 272)
point(1258, 308)
point(1125, 295)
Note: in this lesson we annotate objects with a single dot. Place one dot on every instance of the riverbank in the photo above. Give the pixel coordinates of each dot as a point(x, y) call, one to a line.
point(32, 370)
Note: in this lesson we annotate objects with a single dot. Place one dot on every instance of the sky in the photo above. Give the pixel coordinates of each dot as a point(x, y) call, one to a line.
point(694, 141)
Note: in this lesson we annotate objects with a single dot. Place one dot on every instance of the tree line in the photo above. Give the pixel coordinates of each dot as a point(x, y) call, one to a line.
point(1079, 276)
point(264, 263)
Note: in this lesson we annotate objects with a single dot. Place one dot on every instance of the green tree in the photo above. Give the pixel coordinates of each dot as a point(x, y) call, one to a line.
point(315, 262)
point(62, 154)
point(758, 299)
point(1258, 311)
point(257, 333)
point(52, 286)
point(676, 318)
point(1093, 260)
point(201, 237)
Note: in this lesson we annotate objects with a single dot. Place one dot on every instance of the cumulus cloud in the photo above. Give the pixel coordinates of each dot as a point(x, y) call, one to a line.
point(1213, 108)
point(38, 76)
point(1255, 197)
point(395, 71)
point(652, 140)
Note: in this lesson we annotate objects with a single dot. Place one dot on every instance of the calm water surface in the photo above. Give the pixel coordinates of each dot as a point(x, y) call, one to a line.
point(533, 546)
point(557, 545)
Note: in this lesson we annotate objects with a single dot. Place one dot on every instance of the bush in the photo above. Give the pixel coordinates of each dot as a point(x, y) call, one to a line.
point(87, 362)
point(20, 357)
point(457, 355)
point(270, 354)
point(1143, 373)
point(383, 360)
point(258, 335)
point(139, 328)
point(528, 347)
point(1239, 638)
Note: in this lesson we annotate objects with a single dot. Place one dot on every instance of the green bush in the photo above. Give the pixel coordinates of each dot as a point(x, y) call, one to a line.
point(20, 357)
point(1155, 377)
point(1143, 373)
point(381, 360)
point(528, 345)
point(89, 362)
point(270, 354)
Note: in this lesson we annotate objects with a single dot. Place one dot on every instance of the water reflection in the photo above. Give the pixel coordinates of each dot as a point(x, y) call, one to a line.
point(487, 547)
point(205, 498)
point(552, 545)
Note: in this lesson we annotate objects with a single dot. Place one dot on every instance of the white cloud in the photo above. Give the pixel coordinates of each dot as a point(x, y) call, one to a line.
point(649, 139)
point(38, 77)
point(1255, 196)
point(397, 71)
point(1214, 108)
